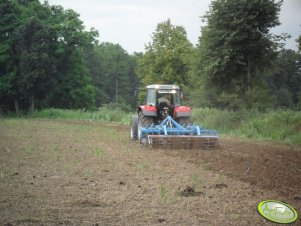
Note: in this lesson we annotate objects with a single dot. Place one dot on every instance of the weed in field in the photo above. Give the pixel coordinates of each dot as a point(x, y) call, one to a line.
point(4, 171)
point(110, 134)
point(55, 148)
point(148, 214)
point(195, 180)
point(28, 149)
point(143, 187)
point(163, 192)
point(98, 152)
point(206, 166)
point(188, 205)
point(220, 179)
point(67, 170)
point(140, 166)
point(87, 173)
point(165, 195)
point(234, 216)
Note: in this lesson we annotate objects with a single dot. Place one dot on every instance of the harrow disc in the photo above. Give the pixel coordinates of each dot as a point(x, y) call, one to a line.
point(182, 141)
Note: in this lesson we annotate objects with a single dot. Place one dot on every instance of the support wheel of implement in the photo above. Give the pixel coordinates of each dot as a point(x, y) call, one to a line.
point(184, 121)
point(134, 127)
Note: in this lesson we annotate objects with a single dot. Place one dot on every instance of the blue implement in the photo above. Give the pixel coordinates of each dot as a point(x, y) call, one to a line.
point(171, 134)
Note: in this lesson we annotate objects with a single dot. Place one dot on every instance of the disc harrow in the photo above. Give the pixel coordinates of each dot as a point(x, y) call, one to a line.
point(171, 135)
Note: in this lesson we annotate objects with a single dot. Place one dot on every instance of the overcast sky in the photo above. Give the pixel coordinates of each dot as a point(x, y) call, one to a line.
point(132, 22)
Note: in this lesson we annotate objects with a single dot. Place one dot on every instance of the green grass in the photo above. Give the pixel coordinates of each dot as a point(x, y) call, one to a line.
point(195, 180)
point(103, 114)
point(206, 166)
point(28, 149)
point(283, 126)
point(280, 126)
point(98, 152)
point(4, 171)
point(140, 166)
point(163, 192)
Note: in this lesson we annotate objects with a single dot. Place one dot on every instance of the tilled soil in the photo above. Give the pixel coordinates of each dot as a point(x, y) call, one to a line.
point(267, 166)
point(55, 172)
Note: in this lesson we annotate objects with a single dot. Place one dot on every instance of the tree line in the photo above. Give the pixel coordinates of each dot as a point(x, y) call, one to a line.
point(49, 59)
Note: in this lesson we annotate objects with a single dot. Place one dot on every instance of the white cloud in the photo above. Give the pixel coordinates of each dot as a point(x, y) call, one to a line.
point(132, 22)
point(290, 18)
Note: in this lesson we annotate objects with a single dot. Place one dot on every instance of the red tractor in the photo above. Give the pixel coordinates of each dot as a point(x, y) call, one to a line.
point(161, 119)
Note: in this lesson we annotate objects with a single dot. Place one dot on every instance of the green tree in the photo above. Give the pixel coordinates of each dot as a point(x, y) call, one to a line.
point(35, 62)
point(285, 79)
point(113, 75)
point(73, 86)
point(235, 49)
point(41, 54)
point(8, 21)
point(167, 58)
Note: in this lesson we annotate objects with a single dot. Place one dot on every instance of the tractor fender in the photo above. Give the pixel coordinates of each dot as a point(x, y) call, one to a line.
point(148, 110)
point(182, 111)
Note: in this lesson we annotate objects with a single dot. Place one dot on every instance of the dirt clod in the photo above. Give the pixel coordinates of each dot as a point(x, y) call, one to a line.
point(90, 203)
point(189, 191)
point(297, 197)
point(161, 220)
point(221, 186)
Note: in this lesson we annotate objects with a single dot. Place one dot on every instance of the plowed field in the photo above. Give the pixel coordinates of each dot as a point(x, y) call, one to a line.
point(55, 172)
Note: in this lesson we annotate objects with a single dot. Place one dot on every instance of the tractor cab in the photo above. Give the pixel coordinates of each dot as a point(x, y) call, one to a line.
point(164, 97)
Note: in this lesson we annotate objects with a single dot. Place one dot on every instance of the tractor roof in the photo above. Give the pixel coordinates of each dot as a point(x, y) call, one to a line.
point(158, 86)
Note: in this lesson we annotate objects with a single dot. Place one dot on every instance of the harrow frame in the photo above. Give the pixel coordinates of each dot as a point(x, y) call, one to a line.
point(171, 134)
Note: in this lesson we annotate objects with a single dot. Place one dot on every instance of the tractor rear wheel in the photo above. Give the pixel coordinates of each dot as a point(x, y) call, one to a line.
point(144, 121)
point(134, 127)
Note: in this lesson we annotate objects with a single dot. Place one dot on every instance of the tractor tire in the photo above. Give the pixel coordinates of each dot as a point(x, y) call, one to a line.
point(145, 121)
point(184, 121)
point(134, 128)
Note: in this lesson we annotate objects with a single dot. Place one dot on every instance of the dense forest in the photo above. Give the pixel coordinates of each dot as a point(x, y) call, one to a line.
point(48, 59)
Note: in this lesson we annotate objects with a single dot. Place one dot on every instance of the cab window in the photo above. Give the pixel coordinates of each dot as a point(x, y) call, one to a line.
point(151, 97)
